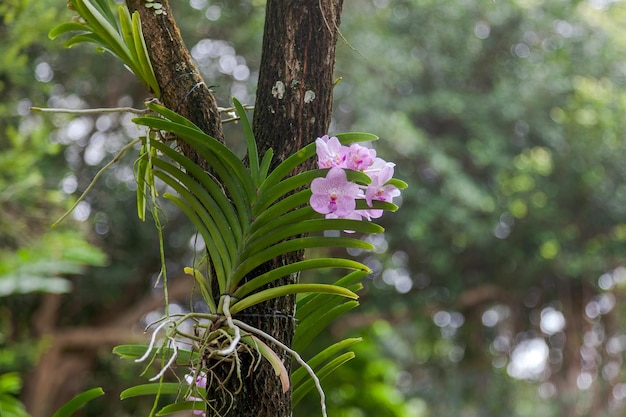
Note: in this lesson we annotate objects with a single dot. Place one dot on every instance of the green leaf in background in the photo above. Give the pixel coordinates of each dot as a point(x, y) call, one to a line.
point(77, 402)
point(42, 266)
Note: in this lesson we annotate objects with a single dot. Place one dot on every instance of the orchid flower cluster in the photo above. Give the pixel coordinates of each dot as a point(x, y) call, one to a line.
point(335, 196)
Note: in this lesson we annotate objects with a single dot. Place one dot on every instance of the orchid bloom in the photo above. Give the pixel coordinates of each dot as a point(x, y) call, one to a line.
point(359, 157)
point(334, 194)
point(330, 152)
point(377, 190)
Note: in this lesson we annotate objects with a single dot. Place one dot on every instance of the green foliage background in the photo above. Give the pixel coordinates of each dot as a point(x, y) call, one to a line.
point(506, 118)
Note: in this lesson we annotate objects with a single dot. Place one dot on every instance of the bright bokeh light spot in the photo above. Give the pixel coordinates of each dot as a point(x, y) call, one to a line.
point(490, 318)
point(482, 30)
point(213, 12)
point(616, 345)
point(547, 390)
point(398, 278)
point(619, 275)
point(94, 153)
point(528, 360)
point(521, 50)
point(584, 381)
point(82, 211)
point(43, 72)
point(442, 318)
point(198, 4)
point(601, 304)
point(606, 282)
point(69, 184)
point(197, 242)
point(552, 321)
point(77, 130)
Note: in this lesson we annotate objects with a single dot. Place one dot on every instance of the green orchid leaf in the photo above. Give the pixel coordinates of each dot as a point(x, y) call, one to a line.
point(219, 157)
point(261, 240)
point(315, 362)
point(143, 59)
point(253, 153)
point(142, 169)
point(65, 28)
point(308, 304)
point(157, 388)
point(311, 328)
point(77, 402)
point(270, 276)
point(265, 164)
point(205, 288)
point(204, 204)
point(171, 115)
point(86, 37)
point(283, 208)
point(183, 406)
point(283, 290)
point(326, 370)
point(284, 187)
point(217, 262)
point(104, 9)
point(271, 356)
point(293, 245)
point(99, 20)
point(126, 26)
point(227, 214)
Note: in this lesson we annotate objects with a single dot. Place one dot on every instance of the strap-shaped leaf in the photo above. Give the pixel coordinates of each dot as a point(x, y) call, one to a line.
point(65, 28)
point(144, 62)
point(308, 304)
point(77, 402)
point(221, 159)
point(142, 186)
point(164, 388)
point(312, 328)
point(282, 208)
point(271, 356)
point(182, 406)
point(283, 290)
point(225, 214)
point(325, 355)
point(326, 370)
point(205, 288)
point(300, 266)
point(281, 189)
point(199, 220)
point(261, 240)
point(253, 152)
point(294, 245)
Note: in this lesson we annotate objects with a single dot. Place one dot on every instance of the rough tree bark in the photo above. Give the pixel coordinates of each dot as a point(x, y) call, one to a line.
point(293, 107)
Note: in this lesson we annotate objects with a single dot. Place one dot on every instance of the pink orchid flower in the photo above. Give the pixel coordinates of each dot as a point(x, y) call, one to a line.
point(334, 194)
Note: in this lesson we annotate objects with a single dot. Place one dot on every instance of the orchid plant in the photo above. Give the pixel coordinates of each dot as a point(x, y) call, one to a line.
point(247, 215)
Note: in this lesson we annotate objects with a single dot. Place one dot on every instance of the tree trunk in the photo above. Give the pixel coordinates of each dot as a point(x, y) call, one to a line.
point(293, 107)
point(182, 87)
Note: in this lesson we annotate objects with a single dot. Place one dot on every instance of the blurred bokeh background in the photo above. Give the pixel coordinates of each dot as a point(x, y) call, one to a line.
point(497, 287)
